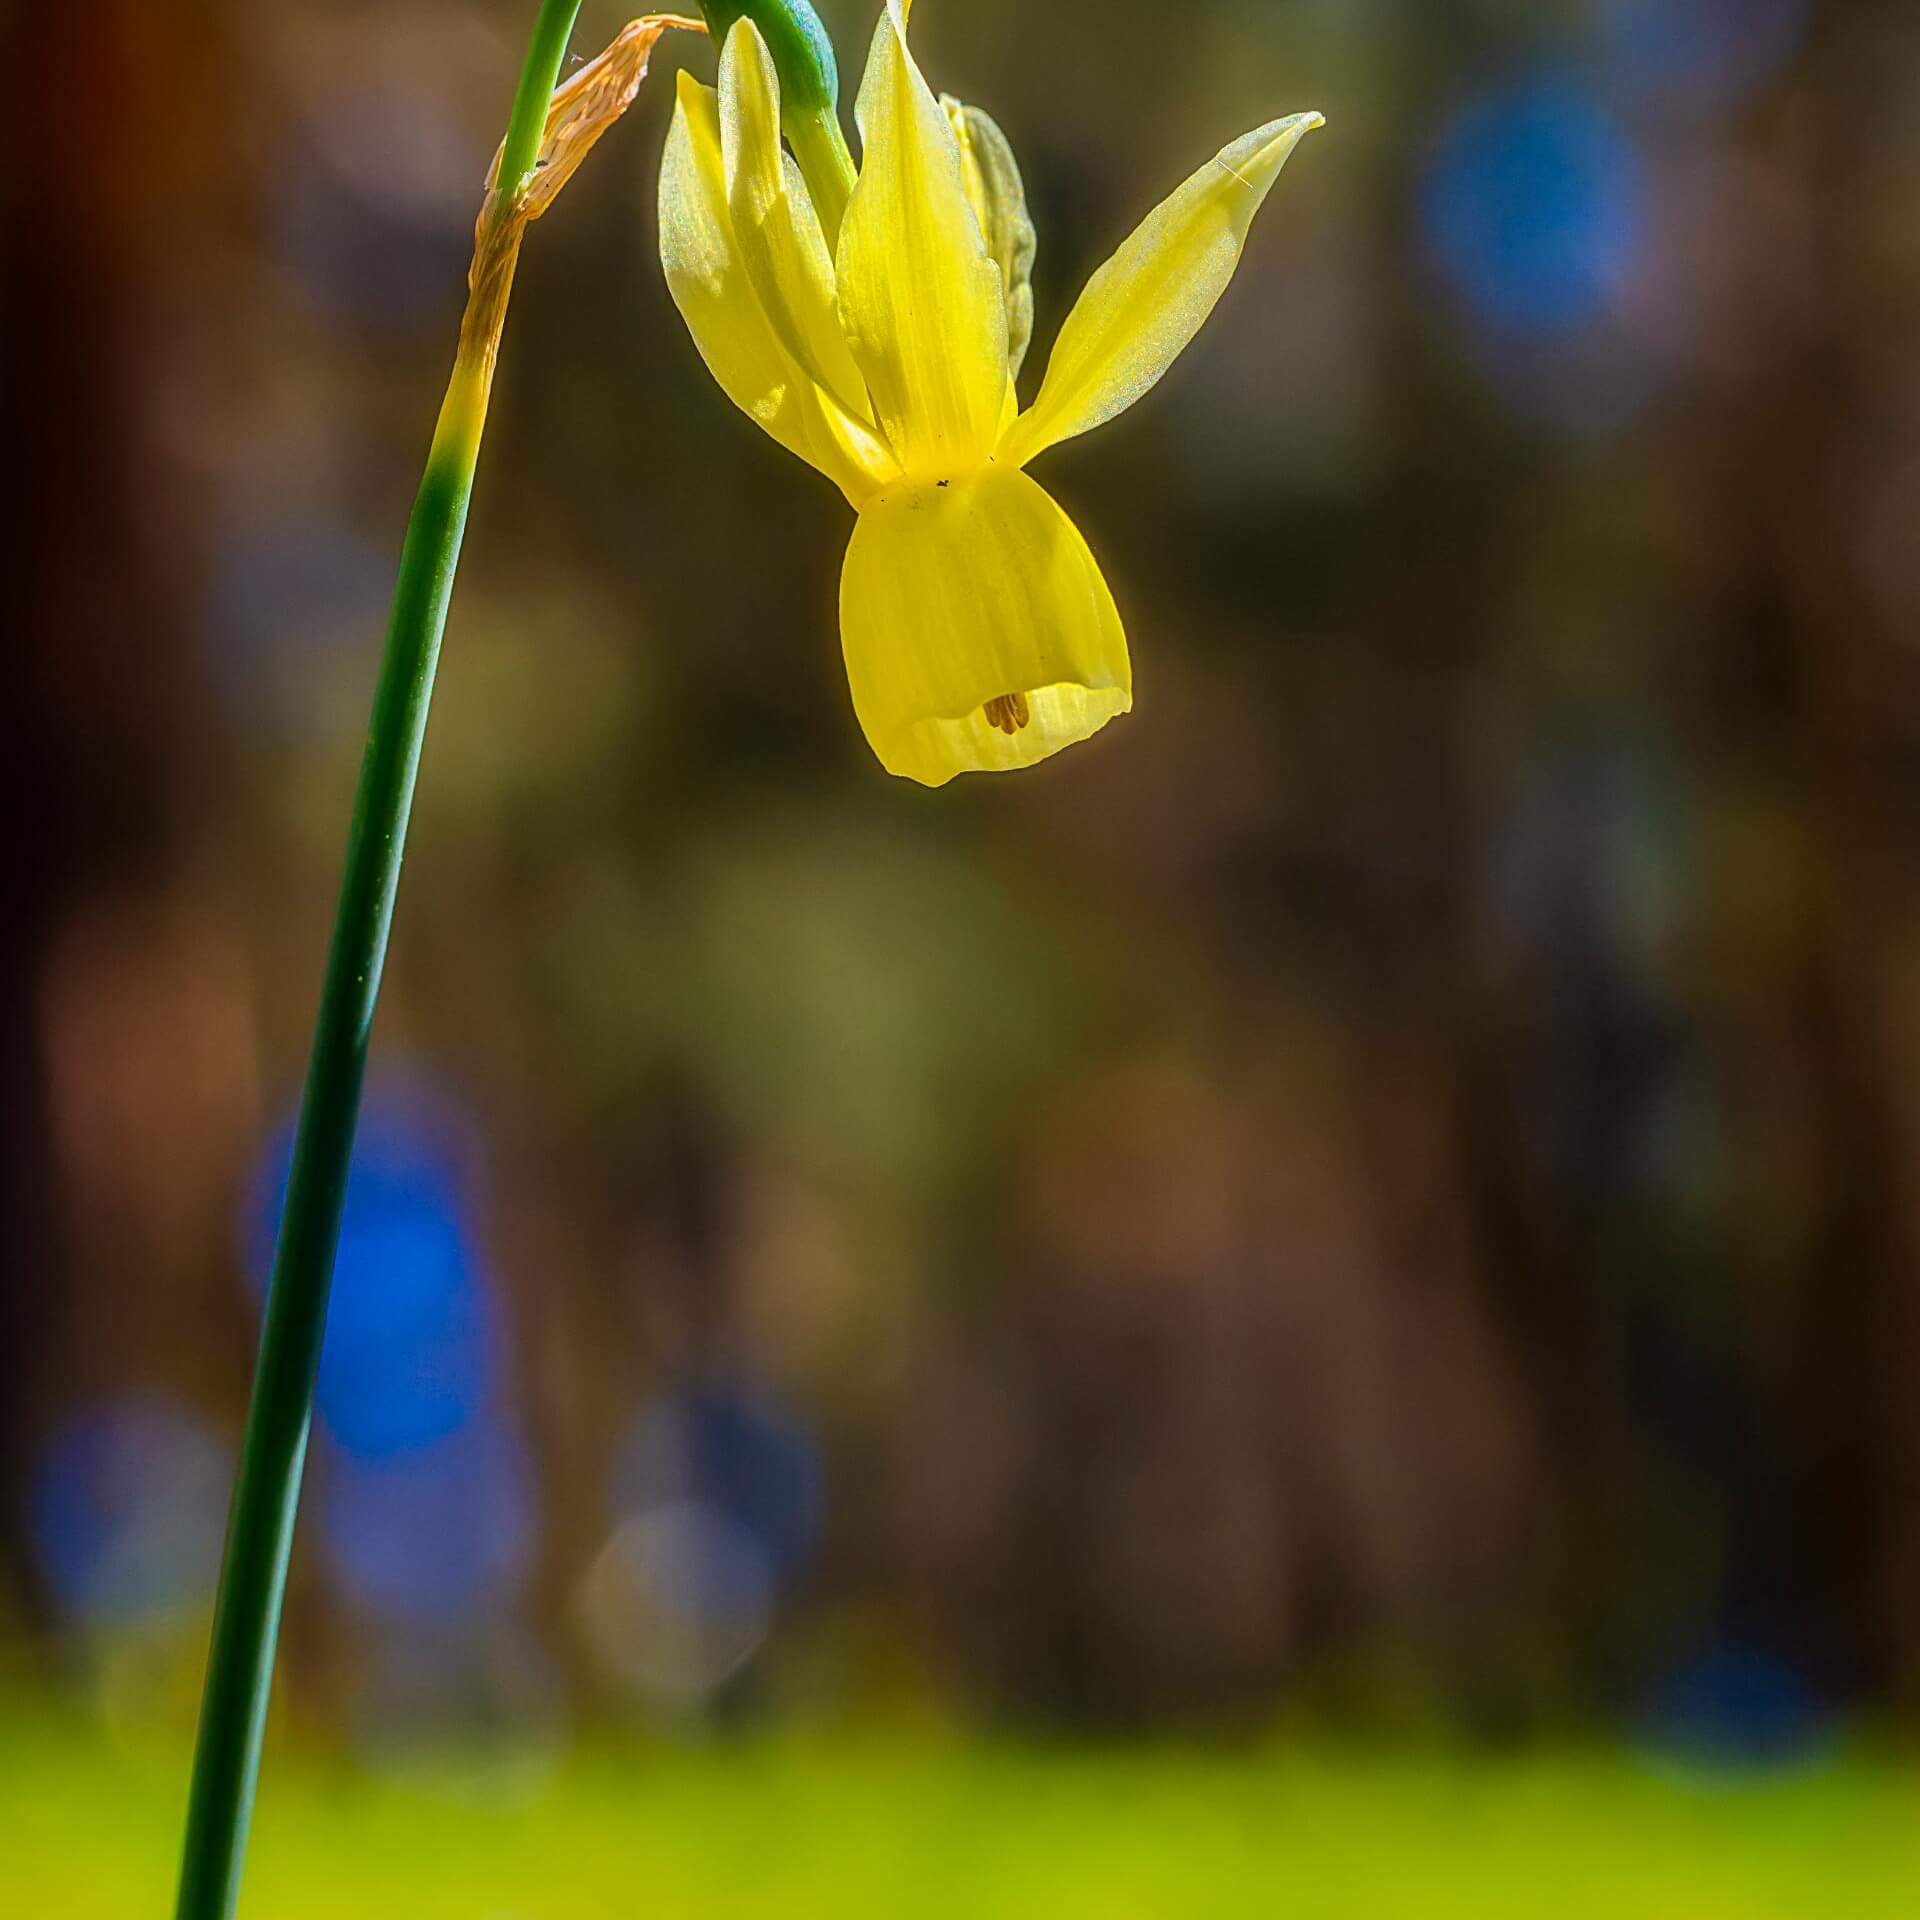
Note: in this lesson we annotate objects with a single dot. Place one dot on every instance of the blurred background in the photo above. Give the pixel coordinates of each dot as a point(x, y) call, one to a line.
point(1332, 1277)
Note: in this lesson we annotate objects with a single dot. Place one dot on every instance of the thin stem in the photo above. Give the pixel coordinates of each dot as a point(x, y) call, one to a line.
point(267, 1491)
point(538, 78)
point(820, 148)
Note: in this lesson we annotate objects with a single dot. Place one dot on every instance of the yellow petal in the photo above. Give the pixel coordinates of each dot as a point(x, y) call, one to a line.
point(979, 633)
point(998, 197)
point(778, 233)
point(1140, 309)
point(711, 288)
point(919, 293)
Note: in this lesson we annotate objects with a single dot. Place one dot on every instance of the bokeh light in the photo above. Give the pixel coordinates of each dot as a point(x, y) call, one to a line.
point(1533, 210)
point(436, 1536)
point(286, 597)
point(1701, 53)
point(429, 1500)
point(371, 209)
point(677, 1603)
point(412, 1346)
point(735, 1451)
point(716, 1497)
point(127, 1509)
point(1738, 1706)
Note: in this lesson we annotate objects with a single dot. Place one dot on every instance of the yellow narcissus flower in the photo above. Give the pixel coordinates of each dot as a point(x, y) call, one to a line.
point(878, 337)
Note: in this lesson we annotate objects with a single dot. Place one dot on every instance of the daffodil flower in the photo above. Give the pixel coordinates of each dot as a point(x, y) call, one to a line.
point(877, 335)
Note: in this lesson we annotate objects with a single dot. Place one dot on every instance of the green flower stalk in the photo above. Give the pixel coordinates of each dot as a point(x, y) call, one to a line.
point(549, 134)
point(809, 87)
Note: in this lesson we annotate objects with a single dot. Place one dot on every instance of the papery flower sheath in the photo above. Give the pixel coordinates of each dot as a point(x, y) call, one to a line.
point(978, 630)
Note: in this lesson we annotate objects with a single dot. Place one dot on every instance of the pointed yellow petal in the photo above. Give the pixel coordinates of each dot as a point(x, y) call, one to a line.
point(711, 288)
point(1140, 309)
point(919, 294)
point(998, 197)
point(778, 233)
point(979, 633)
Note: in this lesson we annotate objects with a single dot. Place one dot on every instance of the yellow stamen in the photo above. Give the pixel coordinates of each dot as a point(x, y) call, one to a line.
point(1009, 712)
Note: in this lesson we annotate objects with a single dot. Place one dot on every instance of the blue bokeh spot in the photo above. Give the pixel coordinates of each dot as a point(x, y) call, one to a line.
point(1734, 1706)
point(411, 1352)
point(1706, 53)
point(1533, 210)
point(126, 1508)
point(431, 1536)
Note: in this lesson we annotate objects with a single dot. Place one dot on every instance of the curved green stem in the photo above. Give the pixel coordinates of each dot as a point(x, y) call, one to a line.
point(538, 78)
point(267, 1491)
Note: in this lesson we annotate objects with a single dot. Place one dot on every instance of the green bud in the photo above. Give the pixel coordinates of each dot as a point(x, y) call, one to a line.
point(802, 53)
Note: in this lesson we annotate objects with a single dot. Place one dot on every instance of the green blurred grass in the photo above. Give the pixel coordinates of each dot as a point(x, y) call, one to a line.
point(854, 1828)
